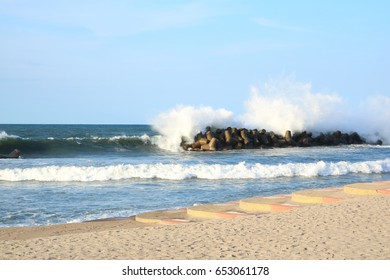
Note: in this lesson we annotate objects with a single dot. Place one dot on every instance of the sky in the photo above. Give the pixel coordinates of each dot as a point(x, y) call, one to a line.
point(124, 62)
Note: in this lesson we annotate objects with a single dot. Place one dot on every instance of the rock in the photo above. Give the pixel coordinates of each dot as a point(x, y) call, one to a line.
point(355, 138)
point(233, 138)
point(277, 140)
point(322, 140)
point(209, 135)
point(198, 144)
point(185, 143)
point(228, 136)
point(199, 136)
point(14, 154)
point(245, 137)
point(255, 137)
point(287, 136)
point(263, 139)
point(213, 145)
point(303, 139)
point(344, 138)
point(186, 146)
point(205, 147)
point(238, 146)
point(220, 135)
point(336, 137)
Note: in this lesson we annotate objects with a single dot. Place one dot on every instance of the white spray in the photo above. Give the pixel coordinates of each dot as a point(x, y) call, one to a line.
point(186, 122)
point(279, 106)
point(288, 105)
point(373, 118)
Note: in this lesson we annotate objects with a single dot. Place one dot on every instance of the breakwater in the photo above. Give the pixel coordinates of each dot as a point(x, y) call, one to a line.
point(242, 138)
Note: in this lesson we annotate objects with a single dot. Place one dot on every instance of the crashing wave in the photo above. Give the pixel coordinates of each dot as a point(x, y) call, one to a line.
point(240, 170)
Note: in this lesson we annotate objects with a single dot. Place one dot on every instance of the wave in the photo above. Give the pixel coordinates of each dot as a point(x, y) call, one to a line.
point(5, 135)
point(52, 146)
point(240, 170)
point(183, 122)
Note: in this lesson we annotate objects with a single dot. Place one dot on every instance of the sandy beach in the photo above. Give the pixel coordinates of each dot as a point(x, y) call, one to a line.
point(357, 228)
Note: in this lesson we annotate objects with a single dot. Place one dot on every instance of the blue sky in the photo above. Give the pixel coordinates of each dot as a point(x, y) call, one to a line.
point(127, 61)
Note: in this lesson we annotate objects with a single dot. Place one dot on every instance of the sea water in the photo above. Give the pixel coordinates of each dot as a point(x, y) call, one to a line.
point(74, 173)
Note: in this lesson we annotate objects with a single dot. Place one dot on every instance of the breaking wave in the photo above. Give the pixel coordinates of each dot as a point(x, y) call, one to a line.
point(52, 146)
point(4, 135)
point(240, 170)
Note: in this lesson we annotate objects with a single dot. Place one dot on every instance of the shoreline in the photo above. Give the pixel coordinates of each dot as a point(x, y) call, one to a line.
point(357, 227)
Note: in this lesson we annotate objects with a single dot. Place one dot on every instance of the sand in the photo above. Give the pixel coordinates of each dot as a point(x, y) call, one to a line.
point(358, 228)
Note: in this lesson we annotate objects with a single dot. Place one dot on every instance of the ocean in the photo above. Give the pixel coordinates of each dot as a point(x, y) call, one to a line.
point(75, 173)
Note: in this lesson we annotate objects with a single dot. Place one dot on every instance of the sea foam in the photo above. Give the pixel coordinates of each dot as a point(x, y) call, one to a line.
point(240, 170)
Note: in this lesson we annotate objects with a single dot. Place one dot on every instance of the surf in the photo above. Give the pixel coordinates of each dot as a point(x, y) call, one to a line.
point(180, 171)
